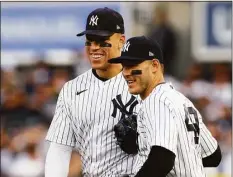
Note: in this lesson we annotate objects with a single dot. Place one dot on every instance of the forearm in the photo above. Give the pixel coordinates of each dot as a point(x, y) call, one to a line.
point(159, 163)
point(57, 160)
point(75, 165)
point(213, 160)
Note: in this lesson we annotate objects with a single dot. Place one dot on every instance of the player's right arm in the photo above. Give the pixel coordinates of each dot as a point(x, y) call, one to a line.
point(62, 139)
point(210, 150)
point(58, 160)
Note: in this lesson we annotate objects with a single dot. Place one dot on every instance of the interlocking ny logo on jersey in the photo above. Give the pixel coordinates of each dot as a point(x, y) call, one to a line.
point(93, 20)
point(118, 104)
point(126, 47)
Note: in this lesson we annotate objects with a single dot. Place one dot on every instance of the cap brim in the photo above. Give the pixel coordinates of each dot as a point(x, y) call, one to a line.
point(96, 32)
point(127, 59)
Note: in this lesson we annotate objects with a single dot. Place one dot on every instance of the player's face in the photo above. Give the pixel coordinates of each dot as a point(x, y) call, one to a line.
point(141, 83)
point(100, 49)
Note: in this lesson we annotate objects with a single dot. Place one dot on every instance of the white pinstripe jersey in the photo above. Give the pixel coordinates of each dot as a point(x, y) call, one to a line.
point(86, 120)
point(168, 119)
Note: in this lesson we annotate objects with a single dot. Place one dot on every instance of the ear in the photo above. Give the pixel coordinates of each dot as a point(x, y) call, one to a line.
point(155, 65)
point(122, 41)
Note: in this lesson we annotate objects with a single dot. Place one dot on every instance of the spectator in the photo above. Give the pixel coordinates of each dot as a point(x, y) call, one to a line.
point(7, 152)
point(30, 84)
point(29, 163)
point(226, 165)
point(41, 73)
point(59, 78)
point(221, 84)
point(43, 101)
point(219, 94)
point(193, 83)
point(8, 80)
point(164, 34)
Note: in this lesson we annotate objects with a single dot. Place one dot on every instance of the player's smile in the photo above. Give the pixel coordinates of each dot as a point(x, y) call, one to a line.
point(97, 55)
point(131, 82)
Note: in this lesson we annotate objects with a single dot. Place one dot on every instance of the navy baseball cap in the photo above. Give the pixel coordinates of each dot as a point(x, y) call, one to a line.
point(139, 49)
point(104, 22)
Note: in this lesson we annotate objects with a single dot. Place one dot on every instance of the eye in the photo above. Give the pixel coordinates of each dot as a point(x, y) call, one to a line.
point(105, 44)
point(87, 43)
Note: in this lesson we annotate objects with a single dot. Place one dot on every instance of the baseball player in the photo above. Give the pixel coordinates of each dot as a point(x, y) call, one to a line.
point(173, 140)
point(89, 106)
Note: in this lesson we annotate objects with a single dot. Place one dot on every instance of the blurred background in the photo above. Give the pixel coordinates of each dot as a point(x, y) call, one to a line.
point(40, 52)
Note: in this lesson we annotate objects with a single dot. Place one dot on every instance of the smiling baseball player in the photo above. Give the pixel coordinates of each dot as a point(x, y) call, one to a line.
point(91, 105)
point(173, 140)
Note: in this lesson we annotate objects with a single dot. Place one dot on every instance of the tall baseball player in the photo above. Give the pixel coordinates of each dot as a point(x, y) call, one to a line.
point(173, 140)
point(91, 105)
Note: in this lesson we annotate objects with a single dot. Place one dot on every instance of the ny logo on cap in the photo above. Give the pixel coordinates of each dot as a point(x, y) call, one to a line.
point(93, 20)
point(151, 54)
point(126, 47)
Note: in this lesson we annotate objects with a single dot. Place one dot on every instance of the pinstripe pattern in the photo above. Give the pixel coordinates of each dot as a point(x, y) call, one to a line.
point(162, 123)
point(84, 121)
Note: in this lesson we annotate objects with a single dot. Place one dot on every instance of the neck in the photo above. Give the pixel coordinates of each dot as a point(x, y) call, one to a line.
point(151, 86)
point(111, 71)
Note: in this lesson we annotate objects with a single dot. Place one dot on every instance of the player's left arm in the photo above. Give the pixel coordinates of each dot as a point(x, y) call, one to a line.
point(210, 150)
point(213, 160)
point(163, 135)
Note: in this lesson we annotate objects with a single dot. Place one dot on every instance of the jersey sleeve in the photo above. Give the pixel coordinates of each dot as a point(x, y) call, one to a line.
point(60, 130)
point(164, 131)
point(207, 141)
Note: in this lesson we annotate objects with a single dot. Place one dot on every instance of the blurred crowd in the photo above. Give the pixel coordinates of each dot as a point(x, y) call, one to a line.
point(28, 101)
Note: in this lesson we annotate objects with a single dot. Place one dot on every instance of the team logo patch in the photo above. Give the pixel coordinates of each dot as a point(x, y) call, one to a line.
point(151, 54)
point(118, 105)
point(93, 20)
point(126, 47)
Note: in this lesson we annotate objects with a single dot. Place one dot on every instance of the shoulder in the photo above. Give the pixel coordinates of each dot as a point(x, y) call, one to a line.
point(81, 79)
point(175, 101)
point(167, 96)
point(69, 89)
point(86, 76)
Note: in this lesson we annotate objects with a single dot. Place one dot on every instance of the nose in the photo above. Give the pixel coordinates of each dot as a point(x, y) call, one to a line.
point(94, 46)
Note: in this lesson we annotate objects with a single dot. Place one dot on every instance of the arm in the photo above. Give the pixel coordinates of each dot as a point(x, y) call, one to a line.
point(61, 130)
point(159, 163)
point(210, 150)
point(57, 160)
point(211, 153)
point(75, 169)
point(163, 139)
point(61, 136)
point(213, 160)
